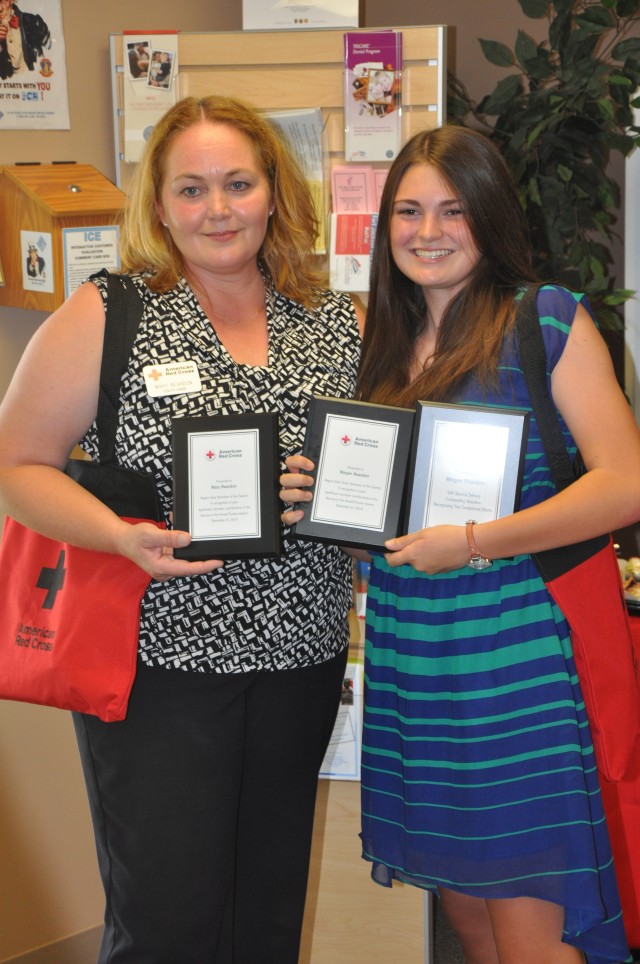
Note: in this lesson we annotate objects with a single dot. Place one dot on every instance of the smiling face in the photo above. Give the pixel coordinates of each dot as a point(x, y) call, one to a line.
point(430, 239)
point(215, 199)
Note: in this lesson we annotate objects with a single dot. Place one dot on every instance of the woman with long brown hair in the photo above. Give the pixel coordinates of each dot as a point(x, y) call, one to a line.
point(478, 778)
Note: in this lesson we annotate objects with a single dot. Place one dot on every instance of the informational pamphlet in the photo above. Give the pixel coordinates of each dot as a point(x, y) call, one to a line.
point(352, 240)
point(342, 759)
point(87, 250)
point(304, 131)
point(353, 189)
point(373, 101)
point(298, 14)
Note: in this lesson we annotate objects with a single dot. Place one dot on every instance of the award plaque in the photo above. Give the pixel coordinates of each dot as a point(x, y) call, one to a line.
point(225, 476)
point(466, 464)
point(361, 454)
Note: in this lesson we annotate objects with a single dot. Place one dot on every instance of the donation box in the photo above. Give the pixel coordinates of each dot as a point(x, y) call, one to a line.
point(59, 225)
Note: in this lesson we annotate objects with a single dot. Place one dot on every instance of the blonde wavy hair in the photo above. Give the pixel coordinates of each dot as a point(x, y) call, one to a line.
point(287, 249)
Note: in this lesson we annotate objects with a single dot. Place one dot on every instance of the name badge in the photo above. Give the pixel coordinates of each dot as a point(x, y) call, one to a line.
point(174, 379)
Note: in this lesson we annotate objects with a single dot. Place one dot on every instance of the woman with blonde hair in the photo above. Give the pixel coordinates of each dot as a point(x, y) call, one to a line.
point(203, 798)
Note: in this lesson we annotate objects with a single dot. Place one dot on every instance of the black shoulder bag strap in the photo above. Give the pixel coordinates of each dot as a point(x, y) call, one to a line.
point(123, 316)
point(126, 491)
point(533, 359)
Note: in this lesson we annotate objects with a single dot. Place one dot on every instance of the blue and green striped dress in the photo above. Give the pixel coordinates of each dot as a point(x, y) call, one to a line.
point(478, 771)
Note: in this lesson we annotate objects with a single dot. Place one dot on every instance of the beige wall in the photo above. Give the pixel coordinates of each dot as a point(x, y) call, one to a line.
point(48, 882)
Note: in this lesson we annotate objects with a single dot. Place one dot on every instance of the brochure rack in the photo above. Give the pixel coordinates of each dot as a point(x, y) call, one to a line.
point(292, 69)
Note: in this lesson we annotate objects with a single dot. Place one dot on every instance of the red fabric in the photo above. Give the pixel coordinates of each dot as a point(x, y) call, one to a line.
point(608, 675)
point(70, 624)
point(622, 807)
point(591, 597)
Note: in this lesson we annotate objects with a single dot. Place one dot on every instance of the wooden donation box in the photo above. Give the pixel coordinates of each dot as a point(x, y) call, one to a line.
point(58, 226)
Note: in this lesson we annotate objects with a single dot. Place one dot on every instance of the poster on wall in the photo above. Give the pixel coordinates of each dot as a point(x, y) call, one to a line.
point(33, 70)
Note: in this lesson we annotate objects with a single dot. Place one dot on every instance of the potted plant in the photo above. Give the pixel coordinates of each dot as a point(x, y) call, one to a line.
point(567, 104)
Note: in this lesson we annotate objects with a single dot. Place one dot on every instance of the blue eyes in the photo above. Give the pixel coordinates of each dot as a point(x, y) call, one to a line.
point(194, 191)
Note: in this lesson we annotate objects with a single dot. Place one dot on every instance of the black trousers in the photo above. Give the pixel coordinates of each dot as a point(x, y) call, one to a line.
point(202, 803)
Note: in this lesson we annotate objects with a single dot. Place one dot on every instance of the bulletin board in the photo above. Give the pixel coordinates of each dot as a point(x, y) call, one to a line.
point(292, 69)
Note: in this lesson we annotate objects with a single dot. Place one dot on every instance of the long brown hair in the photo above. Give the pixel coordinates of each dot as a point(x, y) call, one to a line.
point(291, 232)
point(475, 321)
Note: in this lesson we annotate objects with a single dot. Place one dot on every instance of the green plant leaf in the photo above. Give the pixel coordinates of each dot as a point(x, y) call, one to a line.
point(526, 49)
point(627, 8)
point(497, 53)
point(506, 89)
point(560, 28)
point(607, 318)
point(540, 69)
point(606, 108)
point(567, 103)
point(626, 48)
point(535, 133)
point(563, 6)
point(597, 269)
point(595, 18)
point(619, 296)
point(534, 9)
point(534, 192)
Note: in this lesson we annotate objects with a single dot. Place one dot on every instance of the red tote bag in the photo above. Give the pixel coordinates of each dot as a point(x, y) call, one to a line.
point(70, 624)
point(591, 598)
point(584, 580)
point(70, 617)
point(622, 807)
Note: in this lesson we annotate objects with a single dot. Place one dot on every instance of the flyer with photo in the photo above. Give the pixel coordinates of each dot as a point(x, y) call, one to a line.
point(373, 95)
point(150, 87)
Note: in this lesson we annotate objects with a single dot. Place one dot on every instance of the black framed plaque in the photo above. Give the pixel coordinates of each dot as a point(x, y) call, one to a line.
point(466, 463)
point(361, 454)
point(225, 477)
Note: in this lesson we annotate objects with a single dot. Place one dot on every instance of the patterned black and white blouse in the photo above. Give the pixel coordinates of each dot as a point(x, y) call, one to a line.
point(266, 614)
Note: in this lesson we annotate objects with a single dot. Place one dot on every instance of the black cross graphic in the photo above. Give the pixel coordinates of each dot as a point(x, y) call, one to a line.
point(52, 580)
